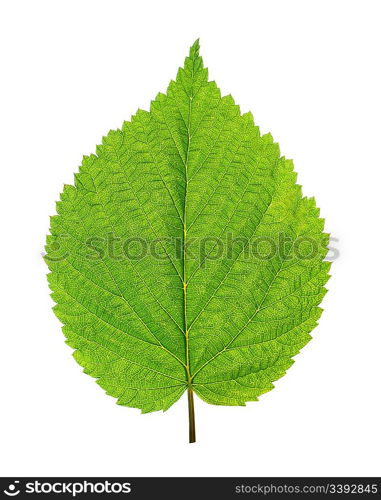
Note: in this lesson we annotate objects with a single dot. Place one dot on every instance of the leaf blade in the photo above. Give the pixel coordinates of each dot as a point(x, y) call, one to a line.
point(191, 171)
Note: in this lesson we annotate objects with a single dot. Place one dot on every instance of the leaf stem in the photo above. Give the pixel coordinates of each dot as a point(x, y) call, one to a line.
point(192, 425)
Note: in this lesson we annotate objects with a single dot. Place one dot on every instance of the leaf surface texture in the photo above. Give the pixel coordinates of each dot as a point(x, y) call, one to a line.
point(191, 173)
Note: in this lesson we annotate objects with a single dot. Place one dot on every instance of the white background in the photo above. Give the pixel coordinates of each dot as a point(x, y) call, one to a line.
point(310, 72)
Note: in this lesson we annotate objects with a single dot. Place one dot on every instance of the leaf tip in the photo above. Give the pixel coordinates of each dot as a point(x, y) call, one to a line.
point(195, 49)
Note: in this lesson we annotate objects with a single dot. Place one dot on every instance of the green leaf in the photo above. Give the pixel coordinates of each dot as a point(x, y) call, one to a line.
point(185, 256)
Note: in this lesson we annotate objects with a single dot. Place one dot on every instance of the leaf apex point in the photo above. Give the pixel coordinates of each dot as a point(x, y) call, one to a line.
point(195, 49)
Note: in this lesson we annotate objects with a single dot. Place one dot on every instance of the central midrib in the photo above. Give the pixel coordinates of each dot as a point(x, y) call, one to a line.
point(185, 284)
